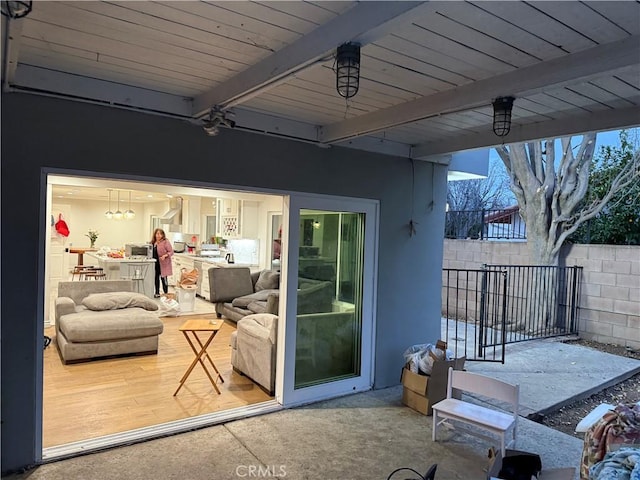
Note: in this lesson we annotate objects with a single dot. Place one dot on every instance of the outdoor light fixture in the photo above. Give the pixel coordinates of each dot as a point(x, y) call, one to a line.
point(217, 118)
point(109, 213)
point(129, 214)
point(15, 9)
point(502, 107)
point(348, 69)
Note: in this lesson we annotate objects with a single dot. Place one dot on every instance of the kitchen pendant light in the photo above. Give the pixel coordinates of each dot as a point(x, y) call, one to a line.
point(118, 213)
point(109, 213)
point(129, 214)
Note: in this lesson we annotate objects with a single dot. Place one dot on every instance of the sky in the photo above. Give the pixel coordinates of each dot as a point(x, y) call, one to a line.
point(609, 138)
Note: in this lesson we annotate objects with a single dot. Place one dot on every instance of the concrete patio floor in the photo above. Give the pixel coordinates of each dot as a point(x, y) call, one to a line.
point(363, 436)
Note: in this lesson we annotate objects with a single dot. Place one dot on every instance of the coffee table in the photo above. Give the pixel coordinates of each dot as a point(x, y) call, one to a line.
point(189, 329)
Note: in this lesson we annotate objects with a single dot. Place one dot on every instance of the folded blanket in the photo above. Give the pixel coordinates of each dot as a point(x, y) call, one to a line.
point(620, 426)
point(621, 464)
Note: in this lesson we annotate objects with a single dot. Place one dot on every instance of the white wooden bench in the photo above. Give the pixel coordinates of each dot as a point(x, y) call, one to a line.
point(493, 420)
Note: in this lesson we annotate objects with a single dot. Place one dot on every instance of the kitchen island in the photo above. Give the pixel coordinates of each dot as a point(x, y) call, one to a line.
point(137, 268)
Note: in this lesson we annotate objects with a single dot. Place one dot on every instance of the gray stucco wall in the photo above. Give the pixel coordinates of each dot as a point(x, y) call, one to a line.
point(40, 133)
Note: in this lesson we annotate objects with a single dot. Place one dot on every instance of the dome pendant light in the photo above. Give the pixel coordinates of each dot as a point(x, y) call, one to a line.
point(129, 214)
point(118, 214)
point(109, 213)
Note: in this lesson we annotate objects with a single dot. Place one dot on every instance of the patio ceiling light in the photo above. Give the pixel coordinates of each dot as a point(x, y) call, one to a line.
point(502, 107)
point(348, 69)
point(13, 9)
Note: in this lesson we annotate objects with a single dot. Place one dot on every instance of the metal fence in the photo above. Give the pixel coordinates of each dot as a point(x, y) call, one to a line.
point(474, 312)
point(542, 300)
point(485, 309)
point(503, 223)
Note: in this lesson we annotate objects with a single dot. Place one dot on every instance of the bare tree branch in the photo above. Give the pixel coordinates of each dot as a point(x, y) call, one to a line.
point(627, 176)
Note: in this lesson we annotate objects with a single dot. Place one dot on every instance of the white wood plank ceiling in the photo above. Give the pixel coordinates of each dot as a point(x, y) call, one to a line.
point(429, 70)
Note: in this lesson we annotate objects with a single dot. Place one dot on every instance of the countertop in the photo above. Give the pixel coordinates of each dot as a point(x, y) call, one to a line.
point(219, 261)
point(104, 258)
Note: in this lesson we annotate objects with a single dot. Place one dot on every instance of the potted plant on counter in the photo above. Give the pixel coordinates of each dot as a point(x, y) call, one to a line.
point(92, 235)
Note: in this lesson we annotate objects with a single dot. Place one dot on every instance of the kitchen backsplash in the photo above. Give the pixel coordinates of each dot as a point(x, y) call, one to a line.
point(245, 250)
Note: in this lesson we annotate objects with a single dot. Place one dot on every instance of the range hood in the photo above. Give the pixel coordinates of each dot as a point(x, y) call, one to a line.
point(173, 216)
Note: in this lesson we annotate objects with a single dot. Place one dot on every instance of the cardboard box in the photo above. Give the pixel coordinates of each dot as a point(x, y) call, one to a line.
point(549, 474)
point(421, 392)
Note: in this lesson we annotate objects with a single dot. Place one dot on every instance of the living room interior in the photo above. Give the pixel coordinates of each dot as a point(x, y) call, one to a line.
point(141, 385)
point(117, 394)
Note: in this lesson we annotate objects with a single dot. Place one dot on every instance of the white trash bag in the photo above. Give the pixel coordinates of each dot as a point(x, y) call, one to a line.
point(420, 358)
point(413, 355)
point(170, 307)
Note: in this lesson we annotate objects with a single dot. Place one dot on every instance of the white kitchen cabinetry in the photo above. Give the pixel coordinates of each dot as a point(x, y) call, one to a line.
point(229, 206)
point(191, 215)
point(229, 214)
point(178, 262)
point(249, 220)
point(204, 281)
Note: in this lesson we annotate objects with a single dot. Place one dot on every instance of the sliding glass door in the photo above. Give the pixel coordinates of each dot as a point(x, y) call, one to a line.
point(329, 302)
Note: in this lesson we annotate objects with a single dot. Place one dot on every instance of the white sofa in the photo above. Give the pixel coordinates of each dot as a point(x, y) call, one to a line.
point(253, 349)
point(84, 334)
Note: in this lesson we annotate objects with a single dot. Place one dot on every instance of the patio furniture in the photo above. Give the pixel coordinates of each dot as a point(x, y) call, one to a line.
point(493, 420)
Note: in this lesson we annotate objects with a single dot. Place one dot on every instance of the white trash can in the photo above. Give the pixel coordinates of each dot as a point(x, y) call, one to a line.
point(186, 299)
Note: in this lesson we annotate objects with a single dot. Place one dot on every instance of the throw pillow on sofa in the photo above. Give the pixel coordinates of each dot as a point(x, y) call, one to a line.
point(118, 300)
point(268, 280)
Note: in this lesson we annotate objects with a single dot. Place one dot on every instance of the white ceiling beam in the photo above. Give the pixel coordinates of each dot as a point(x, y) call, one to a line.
point(100, 91)
point(377, 145)
point(574, 125)
point(12, 36)
point(365, 21)
point(267, 123)
point(573, 68)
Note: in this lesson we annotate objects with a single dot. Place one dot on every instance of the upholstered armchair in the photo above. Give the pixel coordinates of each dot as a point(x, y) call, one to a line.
point(253, 349)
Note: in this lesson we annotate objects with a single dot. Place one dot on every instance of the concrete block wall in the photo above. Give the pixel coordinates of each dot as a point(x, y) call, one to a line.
point(610, 296)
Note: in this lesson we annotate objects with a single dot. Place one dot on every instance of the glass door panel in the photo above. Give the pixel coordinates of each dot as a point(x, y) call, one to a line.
point(329, 297)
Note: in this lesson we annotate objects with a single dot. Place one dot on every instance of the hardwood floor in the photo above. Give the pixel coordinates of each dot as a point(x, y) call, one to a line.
point(91, 399)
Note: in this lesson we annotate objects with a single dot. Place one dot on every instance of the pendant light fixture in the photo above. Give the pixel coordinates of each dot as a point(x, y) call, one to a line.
point(348, 69)
point(109, 213)
point(129, 214)
point(118, 214)
point(502, 107)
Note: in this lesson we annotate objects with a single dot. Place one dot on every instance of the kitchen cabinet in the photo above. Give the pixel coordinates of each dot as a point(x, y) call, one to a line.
point(141, 271)
point(229, 206)
point(204, 281)
point(191, 215)
point(229, 214)
point(178, 262)
point(249, 220)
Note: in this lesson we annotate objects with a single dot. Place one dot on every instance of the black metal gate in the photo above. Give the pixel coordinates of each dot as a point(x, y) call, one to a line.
point(474, 312)
point(485, 309)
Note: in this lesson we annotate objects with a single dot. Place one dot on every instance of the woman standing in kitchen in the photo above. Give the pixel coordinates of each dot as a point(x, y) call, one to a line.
point(162, 252)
